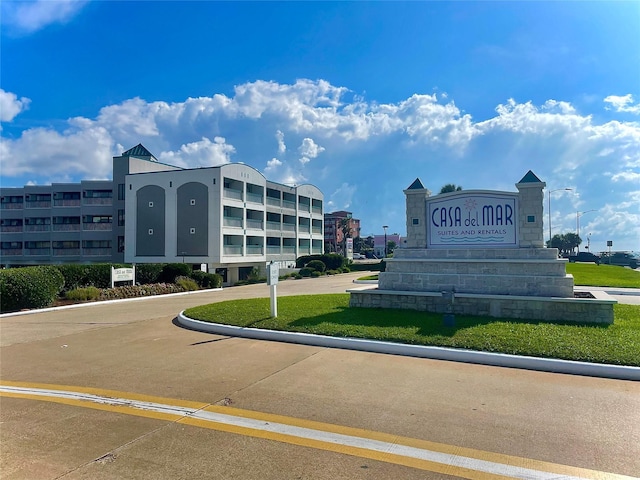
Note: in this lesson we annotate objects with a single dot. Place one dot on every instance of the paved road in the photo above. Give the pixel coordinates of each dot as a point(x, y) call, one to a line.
point(148, 399)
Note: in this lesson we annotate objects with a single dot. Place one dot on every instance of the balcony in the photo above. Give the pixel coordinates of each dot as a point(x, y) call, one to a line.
point(232, 193)
point(97, 201)
point(273, 250)
point(273, 226)
point(66, 203)
point(289, 227)
point(96, 226)
point(232, 222)
point(288, 204)
point(254, 250)
point(11, 229)
point(11, 252)
point(11, 206)
point(36, 251)
point(232, 250)
point(255, 198)
point(254, 224)
point(66, 227)
point(96, 252)
point(66, 252)
point(37, 228)
point(274, 202)
point(38, 204)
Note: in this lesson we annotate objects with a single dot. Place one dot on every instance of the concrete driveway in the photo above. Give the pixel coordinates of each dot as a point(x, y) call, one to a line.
point(145, 398)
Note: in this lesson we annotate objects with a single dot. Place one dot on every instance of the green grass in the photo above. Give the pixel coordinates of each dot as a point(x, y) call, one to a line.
point(590, 274)
point(617, 344)
point(594, 275)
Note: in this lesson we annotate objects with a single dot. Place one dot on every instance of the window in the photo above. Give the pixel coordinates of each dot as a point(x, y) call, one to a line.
point(12, 199)
point(11, 245)
point(120, 244)
point(531, 219)
point(11, 222)
point(34, 245)
point(67, 195)
point(416, 221)
point(121, 191)
point(67, 244)
point(38, 221)
point(66, 220)
point(121, 217)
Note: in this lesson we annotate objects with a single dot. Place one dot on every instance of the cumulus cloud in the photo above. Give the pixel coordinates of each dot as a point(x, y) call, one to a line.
point(272, 165)
point(203, 153)
point(282, 147)
point(309, 149)
point(29, 17)
point(342, 197)
point(622, 104)
point(11, 105)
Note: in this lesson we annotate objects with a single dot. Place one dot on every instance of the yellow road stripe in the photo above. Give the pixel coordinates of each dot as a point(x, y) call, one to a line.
point(308, 424)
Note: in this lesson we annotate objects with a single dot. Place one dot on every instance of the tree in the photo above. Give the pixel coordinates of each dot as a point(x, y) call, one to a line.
point(566, 243)
point(345, 228)
point(391, 246)
point(450, 187)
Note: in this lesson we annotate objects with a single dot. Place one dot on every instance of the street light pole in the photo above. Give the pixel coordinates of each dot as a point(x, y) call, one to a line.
point(385, 240)
point(578, 215)
point(550, 192)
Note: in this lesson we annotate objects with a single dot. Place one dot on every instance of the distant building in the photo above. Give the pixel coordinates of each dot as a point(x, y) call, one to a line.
point(378, 243)
point(333, 235)
point(229, 218)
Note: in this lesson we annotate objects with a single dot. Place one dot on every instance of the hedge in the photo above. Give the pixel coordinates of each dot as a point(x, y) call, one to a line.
point(332, 261)
point(29, 287)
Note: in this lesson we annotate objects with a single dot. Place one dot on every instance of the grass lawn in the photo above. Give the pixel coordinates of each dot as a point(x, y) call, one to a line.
point(617, 344)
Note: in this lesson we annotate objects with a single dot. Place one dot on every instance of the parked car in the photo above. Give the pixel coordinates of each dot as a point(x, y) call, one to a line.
point(624, 259)
point(585, 257)
point(358, 256)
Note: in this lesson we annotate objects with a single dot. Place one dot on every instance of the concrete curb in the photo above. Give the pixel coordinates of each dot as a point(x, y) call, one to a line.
point(436, 353)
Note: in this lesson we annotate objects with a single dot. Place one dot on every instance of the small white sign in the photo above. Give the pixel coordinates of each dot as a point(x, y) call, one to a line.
point(122, 275)
point(273, 272)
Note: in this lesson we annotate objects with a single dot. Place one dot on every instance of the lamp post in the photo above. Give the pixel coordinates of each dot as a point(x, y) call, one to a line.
point(550, 192)
point(578, 215)
point(385, 240)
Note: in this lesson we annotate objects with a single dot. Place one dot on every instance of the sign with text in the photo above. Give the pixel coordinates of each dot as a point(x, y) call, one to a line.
point(122, 275)
point(473, 220)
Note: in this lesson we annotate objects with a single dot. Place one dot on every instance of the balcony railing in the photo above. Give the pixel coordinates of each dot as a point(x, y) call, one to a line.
point(255, 250)
point(6, 252)
point(232, 249)
point(37, 228)
point(65, 252)
point(37, 251)
point(96, 252)
point(289, 227)
point(273, 250)
point(11, 206)
point(66, 203)
point(255, 198)
point(317, 210)
point(232, 222)
point(97, 201)
point(66, 227)
point(288, 204)
point(274, 202)
point(97, 226)
point(317, 230)
point(255, 224)
point(304, 228)
point(11, 228)
point(304, 207)
point(289, 250)
point(231, 193)
point(273, 225)
point(40, 204)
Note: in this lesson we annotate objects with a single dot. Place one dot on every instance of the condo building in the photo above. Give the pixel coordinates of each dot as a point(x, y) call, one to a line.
point(227, 219)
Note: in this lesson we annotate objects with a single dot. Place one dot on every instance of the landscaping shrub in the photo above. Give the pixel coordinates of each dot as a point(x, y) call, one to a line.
point(187, 283)
point(332, 261)
point(83, 293)
point(306, 272)
point(317, 265)
point(29, 287)
point(207, 280)
point(171, 271)
point(316, 274)
point(84, 275)
point(133, 291)
point(148, 273)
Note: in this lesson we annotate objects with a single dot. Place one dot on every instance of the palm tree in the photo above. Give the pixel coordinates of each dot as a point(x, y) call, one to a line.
point(450, 187)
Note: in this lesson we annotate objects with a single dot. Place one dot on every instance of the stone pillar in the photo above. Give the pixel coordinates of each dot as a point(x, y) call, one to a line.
point(530, 211)
point(416, 198)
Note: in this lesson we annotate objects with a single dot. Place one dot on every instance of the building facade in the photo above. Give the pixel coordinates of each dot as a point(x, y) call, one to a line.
point(228, 219)
point(333, 234)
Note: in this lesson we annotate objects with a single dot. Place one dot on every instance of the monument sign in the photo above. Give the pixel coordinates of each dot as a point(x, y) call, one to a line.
point(473, 220)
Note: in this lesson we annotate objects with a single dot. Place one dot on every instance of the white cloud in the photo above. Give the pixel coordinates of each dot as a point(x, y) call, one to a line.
point(203, 153)
point(11, 105)
point(342, 198)
point(272, 165)
point(309, 148)
point(623, 103)
point(28, 17)
point(627, 177)
point(282, 147)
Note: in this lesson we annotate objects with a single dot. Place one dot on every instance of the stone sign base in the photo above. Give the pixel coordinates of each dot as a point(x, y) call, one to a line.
point(583, 310)
point(494, 271)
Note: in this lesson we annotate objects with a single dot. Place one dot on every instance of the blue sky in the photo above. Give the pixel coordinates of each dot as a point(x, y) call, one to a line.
point(357, 98)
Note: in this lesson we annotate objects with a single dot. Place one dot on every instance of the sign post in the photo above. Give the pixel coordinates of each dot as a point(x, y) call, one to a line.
point(273, 272)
